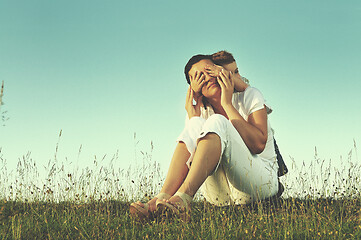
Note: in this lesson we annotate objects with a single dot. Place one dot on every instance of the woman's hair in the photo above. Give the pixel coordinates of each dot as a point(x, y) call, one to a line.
point(222, 57)
point(192, 61)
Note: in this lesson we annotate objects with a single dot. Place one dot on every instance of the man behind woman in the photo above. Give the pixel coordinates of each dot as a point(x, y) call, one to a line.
point(226, 147)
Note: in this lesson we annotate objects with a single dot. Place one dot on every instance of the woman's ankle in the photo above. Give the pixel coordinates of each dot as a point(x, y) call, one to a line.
point(182, 199)
point(162, 196)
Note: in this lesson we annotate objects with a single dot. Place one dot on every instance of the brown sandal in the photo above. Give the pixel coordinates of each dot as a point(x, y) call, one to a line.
point(183, 212)
point(143, 213)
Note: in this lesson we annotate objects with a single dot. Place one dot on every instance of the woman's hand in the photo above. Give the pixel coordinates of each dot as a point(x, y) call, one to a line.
point(197, 83)
point(193, 110)
point(227, 86)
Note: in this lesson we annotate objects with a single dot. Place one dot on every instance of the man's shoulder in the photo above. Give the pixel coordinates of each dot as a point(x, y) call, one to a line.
point(249, 92)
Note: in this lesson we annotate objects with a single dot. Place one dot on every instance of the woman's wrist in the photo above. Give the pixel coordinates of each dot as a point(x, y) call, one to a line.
point(229, 109)
point(193, 116)
point(197, 94)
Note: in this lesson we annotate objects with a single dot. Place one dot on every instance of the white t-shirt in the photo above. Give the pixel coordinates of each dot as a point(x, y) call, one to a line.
point(248, 102)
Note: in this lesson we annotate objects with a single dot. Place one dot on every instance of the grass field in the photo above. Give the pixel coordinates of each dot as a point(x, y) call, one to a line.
point(290, 219)
point(320, 202)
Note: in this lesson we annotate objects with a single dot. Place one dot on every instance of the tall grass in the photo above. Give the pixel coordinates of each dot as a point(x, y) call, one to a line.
point(323, 178)
point(1, 93)
point(62, 180)
point(321, 200)
point(2, 113)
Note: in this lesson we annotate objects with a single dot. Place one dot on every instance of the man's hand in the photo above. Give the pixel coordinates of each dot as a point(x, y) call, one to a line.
point(193, 110)
point(213, 70)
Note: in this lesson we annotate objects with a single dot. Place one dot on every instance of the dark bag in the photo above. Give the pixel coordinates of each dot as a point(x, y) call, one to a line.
point(282, 168)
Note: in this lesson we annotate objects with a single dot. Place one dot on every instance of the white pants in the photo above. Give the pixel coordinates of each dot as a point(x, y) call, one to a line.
point(240, 177)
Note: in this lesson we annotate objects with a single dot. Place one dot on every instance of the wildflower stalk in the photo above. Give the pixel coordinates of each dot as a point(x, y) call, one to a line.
point(1, 94)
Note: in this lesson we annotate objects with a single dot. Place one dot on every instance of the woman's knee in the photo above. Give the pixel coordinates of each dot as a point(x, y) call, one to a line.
point(210, 136)
point(217, 124)
point(217, 120)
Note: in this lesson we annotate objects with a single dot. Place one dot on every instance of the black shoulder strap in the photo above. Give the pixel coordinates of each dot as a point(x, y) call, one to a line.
point(282, 168)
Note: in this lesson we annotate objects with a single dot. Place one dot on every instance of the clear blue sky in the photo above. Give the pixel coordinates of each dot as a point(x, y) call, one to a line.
point(104, 70)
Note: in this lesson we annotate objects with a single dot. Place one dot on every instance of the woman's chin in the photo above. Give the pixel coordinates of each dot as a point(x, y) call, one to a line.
point(212, 92)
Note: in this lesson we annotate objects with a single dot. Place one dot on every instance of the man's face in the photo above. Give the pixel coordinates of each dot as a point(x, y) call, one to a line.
point(211, 87)
point(232, 67)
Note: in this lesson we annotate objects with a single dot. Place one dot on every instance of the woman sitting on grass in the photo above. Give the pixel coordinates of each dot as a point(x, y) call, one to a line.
point(226, 146)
